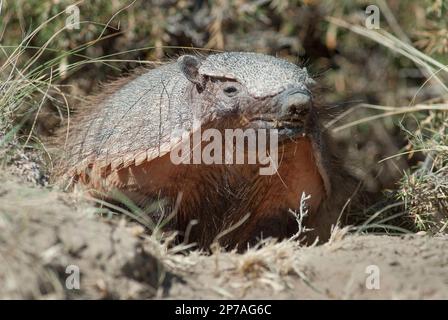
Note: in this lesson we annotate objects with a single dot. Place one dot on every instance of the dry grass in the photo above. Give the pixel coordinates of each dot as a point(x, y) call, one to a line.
point(423, 190)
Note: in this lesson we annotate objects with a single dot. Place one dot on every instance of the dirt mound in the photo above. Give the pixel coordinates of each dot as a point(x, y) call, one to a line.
point(45, 236)
point(410, 267)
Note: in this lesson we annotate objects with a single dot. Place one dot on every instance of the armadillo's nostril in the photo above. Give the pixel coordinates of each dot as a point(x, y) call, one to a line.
point(295, 102)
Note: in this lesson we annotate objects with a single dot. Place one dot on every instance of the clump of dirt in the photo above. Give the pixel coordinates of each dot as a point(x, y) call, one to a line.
point(44, 234)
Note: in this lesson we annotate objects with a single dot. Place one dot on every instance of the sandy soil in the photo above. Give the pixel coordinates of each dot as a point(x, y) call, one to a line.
point(42, 232)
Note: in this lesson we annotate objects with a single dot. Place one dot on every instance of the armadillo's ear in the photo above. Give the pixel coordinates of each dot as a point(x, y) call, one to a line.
point(189, 65)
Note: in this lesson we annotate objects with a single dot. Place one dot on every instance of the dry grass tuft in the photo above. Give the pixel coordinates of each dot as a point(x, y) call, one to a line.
point(423, 189)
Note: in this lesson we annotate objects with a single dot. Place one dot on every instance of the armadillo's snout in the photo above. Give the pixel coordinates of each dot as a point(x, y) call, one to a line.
point(286, 112)
point(294, 103)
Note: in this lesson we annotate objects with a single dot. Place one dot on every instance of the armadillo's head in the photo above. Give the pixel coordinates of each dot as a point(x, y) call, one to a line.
point(260, 90)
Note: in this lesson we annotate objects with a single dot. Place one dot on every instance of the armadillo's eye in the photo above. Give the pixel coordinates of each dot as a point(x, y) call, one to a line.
point(230, 91)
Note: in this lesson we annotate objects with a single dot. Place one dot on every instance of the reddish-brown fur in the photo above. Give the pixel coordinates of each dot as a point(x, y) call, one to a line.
point(267, 198)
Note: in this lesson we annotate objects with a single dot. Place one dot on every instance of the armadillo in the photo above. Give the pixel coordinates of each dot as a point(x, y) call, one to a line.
point(123, 142)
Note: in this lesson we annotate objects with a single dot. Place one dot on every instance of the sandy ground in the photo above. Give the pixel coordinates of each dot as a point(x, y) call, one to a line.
point(44, 234)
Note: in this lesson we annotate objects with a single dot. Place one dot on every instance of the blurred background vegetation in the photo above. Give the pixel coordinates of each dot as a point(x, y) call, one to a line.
point(399, 154)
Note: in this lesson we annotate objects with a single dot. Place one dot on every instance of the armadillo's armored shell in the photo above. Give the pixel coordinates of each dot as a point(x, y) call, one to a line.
point(133, 124)
point(263, 75)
